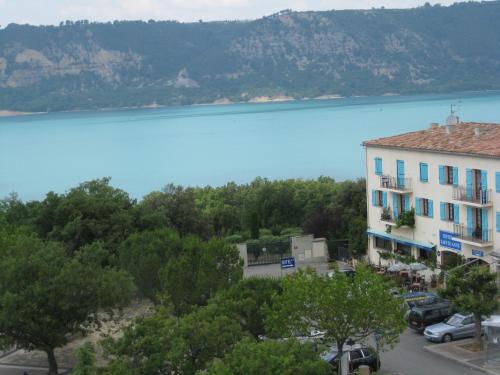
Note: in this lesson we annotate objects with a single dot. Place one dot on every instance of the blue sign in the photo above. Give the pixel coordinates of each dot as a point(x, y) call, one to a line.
point(446, 240)
point(288, 262)
point(477, 253)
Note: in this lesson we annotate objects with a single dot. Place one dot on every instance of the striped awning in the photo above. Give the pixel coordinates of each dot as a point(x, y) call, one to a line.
point(403, 240)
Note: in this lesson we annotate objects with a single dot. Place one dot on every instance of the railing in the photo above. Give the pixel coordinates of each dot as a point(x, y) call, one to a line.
point(478, 234)
point(395, 183)
point(478, 196)
point(387, 215)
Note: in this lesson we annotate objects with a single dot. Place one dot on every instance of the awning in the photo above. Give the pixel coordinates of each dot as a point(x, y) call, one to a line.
point(403, 240)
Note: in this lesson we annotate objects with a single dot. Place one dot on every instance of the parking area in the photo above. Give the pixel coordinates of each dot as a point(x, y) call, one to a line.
point(410, 358)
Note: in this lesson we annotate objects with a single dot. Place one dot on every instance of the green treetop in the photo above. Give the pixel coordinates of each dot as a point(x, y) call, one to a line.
point(46, 296)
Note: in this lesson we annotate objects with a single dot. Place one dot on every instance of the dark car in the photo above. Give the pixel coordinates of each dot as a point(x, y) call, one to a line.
point(356, 356)
point(427, 315)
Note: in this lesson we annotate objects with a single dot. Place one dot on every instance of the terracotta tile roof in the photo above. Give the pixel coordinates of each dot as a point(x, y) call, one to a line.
point(463, 138)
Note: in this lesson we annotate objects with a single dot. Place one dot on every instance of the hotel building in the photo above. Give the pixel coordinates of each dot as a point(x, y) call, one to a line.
point(449, 177)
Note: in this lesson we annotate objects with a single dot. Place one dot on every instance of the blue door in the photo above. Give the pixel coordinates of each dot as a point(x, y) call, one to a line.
point(400, 168)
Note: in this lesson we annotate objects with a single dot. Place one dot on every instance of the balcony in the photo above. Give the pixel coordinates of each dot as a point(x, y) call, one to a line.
point(472, 197)
point(473, 236)
point(395, 184)
point(403, 220)
point(387, 217)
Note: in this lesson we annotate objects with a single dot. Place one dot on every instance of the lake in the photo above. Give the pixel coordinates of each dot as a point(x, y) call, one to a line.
point(145, 149)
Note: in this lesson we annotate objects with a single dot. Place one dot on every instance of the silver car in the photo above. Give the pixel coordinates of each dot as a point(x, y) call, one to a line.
point(457, 326)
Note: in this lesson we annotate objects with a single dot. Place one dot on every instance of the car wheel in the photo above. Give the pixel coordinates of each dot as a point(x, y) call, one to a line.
point(447, 338)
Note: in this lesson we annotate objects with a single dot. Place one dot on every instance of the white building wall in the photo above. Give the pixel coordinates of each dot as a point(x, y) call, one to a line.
point(427, 229)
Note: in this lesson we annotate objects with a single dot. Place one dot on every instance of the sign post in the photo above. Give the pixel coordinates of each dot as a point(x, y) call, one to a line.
point(287, 263)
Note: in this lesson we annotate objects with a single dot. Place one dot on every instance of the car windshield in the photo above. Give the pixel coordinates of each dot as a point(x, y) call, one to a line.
point(455, 320)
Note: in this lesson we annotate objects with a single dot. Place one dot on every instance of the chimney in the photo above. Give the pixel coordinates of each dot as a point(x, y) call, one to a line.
point(477, 132)
point(448, 129)
point(434, 125)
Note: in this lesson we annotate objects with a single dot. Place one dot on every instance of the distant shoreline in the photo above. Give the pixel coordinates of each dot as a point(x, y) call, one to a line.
point(254, 100)
point(8, 113)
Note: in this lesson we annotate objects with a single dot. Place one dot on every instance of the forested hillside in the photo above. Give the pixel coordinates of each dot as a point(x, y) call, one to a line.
point(295, 54)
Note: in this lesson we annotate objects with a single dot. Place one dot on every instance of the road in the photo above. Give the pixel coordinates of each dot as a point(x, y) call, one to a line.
point(409, 358)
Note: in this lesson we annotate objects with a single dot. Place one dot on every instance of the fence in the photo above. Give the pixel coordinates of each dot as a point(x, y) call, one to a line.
point(261, 252)
point(338, 250)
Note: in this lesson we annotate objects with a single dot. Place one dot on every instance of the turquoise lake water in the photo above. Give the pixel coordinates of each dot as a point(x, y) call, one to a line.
point(145, 149)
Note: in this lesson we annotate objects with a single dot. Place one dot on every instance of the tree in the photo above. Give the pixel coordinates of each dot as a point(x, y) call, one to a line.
point(341, 306)
point(85, 364)
point(270, 357)
point(165, 344)
point(473, 290)
point(199, 272)
point(143, 254)
point(45, 296)
point(174, 207)
point(247, 301)
point(93, 211)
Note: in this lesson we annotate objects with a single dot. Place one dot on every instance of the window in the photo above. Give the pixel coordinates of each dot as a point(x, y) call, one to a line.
point(448, 175)
point(424, 207)
point(431, 314)
point(424, 254)
point(379, 198)
point(382, 243)
point(447, 211)
point(366, 353)
point(403, 249)
point(497, 182)
point(356, 354)
point(498, 222)
point(378, 166)
point(424, 172)
point(467, 321)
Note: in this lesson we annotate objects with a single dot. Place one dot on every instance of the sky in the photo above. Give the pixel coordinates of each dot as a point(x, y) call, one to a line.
point(45, 12)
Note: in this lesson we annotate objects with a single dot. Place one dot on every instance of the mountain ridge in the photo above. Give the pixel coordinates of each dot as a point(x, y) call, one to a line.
point(83, 65)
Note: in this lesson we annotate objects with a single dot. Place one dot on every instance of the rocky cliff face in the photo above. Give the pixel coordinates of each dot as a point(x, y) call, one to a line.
point(293, 54)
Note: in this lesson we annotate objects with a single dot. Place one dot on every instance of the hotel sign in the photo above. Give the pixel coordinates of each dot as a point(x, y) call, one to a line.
point(477, 253)
point(446, 240)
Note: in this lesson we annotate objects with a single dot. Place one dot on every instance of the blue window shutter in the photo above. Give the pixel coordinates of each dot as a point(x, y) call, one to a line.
point(469, 221)
point(400, 171)
point(417, 206)
point(384, 199)
point(407, 202)
point(468, 183)
point(484, 180)
point(442, 209)
point(431, 208)
point(456, 213)
point(497, 181)
point(374, 197)
point(378, 166)
point(441, 175)
point(455, 176)
point(498, 222)
point(424, 173)
point(395, 206)
point(484, 214)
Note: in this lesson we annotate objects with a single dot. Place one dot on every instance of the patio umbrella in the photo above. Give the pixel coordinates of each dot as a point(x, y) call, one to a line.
point(396, 267)
point(417, 267)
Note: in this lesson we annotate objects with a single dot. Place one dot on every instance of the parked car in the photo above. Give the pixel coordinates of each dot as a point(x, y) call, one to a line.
point(357, 355)
point(414, 299)
point(457, 326)
point(423, 316)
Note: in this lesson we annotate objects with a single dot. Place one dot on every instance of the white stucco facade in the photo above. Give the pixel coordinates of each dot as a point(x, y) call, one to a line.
point(475, 229)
